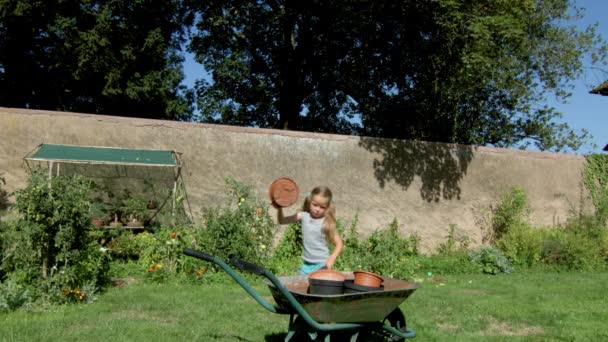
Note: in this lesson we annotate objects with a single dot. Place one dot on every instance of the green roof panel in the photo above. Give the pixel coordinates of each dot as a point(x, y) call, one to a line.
point(106, 155)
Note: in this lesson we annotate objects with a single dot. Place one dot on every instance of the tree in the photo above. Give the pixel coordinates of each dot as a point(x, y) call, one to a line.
point(470, 72)
point(106, 56)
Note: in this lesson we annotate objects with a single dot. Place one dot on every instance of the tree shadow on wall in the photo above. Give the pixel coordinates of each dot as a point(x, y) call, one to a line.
point(439, 166)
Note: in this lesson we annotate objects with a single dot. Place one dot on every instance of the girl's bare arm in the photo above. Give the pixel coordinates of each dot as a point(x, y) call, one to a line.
point(337, 250)
point(282, 219)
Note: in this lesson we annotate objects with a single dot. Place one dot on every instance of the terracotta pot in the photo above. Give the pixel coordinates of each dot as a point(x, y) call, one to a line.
point(369, 279)
point(97, 222)
point(135, 224)
point(284, 192)
point(115, 224)
point(327, 275)
point(350, 287)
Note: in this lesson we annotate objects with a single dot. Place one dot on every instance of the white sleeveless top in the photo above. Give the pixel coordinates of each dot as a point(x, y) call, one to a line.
point(315, 249)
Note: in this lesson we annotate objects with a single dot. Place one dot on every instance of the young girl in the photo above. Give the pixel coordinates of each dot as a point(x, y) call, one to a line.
point(318, 221)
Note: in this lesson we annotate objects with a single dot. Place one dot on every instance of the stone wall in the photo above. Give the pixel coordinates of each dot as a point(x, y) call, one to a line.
point(425, 186)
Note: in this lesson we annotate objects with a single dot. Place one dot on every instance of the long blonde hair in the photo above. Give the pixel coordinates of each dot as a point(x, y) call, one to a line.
point(329, 224)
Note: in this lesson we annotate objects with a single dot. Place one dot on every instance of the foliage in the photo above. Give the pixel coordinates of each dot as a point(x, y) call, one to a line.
point(435, 70)
point(135, 209)
point(571, 250)
point(453, 244)
point(287, 255)
point(385, 248)
point(595, 178)
point(98, 210)
point(3, 195)
point(49, 249)
point(12, 296)
point(94, 56)
point(490, 260)
point(384, 251)
point(511, 211)
point(242, 229)
point(522, 244)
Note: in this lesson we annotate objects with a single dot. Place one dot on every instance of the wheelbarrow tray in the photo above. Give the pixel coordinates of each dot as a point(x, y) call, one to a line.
point(371, 306)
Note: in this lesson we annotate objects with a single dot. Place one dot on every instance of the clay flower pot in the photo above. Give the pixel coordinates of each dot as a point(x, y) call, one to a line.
point(98, 222)
point(325, 274)
point(369, 279)
point(284, 192)
point(326, 282)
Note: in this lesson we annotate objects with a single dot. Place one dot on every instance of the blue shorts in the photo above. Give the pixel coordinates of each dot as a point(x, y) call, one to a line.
point(308, 267)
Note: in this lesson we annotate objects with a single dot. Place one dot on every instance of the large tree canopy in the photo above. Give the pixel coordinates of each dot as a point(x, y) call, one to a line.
point(96, 56)
point(465, 71)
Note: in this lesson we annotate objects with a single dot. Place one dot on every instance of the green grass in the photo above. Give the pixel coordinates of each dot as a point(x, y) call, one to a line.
point(524, 307)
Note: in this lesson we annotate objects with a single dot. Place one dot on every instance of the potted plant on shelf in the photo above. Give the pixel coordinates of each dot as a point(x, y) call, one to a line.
point(115, 207)
point(98, 213)
point(135, 210)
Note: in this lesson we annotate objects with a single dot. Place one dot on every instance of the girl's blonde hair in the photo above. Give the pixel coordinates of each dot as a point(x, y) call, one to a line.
point(329, 225)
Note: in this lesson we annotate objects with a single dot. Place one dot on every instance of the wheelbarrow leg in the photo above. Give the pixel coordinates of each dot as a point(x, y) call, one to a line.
point(298, 326)
point(291, 329)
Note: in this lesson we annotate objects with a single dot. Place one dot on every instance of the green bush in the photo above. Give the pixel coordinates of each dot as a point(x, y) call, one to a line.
point(4, 204)
point(595, 178)
point(12, 296)
point(522, 244)
point(454, 244)
point(243, 229)
point(49, 249)
point(287, 255)
point(490, 260)
point(383, 252)
point(571, 249)
point(512, 211)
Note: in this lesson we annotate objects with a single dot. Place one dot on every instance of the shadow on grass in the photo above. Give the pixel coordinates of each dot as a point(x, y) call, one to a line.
point(276, 337)
point(439, 166)
point(231, 337)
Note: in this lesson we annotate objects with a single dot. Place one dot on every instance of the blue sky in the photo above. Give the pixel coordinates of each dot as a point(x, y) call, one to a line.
point(584, 110)
point(581, 111)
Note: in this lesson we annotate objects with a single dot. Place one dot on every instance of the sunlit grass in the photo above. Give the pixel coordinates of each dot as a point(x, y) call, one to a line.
point(526, 307)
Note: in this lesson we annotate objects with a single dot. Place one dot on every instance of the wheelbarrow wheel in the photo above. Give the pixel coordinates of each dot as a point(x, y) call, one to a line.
point(395, 319)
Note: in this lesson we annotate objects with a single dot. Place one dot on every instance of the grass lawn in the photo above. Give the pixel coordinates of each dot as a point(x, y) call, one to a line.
point(525, 307)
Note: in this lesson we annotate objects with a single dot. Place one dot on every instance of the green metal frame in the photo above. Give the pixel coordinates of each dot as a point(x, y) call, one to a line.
point(55, 155)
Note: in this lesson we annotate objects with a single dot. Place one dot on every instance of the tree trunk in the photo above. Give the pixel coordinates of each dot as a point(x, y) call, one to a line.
point(290, 97)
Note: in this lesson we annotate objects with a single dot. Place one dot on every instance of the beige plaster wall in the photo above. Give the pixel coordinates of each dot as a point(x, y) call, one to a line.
point(426, 186)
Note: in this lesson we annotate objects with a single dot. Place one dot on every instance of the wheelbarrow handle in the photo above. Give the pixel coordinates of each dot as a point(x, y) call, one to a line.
point(247, 266)
point(199, 254)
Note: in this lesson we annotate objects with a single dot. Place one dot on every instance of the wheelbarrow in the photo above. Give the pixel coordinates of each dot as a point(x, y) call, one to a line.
point(365, 316)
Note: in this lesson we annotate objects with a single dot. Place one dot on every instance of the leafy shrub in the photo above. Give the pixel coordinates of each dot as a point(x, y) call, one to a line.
point(595, 178)
point(49, 249)
point(287, 255)
point(3, 196)
point(572, 250)
point(453, 244)
point(243, 229)
point(512, 211)
point(383, 252)
point(490, 260)
point(522, 244)
point(12, 296)
point(385, 248)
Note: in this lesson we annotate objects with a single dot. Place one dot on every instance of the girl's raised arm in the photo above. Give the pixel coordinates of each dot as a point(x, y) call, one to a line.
point(286, 219)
